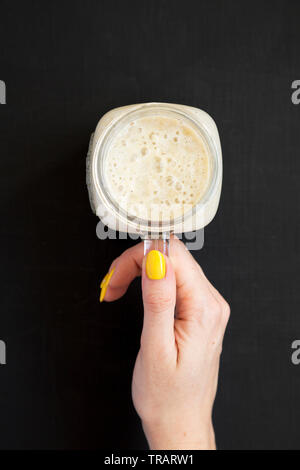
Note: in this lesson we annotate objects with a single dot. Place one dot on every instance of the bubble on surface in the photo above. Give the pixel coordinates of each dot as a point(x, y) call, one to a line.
point(144, 157)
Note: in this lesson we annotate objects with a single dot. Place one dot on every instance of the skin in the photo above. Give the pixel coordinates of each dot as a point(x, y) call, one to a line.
point(176, 371)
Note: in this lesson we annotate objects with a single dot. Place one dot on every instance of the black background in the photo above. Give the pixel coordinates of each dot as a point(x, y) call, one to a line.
point(69, 359)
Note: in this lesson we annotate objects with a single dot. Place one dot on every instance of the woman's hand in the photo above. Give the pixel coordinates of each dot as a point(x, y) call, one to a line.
point(176, 371)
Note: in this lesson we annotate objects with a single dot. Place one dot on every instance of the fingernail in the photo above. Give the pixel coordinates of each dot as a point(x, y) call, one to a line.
point(103, 280)
point(104, 284)
point(155, 265)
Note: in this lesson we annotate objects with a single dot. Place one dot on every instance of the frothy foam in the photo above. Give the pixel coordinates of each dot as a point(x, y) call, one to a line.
point(157, 168)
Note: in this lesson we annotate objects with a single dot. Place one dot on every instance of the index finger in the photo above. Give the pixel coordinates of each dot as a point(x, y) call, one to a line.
point(127, 267)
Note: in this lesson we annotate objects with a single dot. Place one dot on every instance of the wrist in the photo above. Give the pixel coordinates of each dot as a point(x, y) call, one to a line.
point(183, 438)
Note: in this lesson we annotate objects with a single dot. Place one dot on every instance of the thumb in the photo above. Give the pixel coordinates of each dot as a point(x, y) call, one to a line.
point(159, 297)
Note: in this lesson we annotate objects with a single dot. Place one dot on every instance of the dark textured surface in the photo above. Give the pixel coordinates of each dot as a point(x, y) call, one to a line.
point(69, 360)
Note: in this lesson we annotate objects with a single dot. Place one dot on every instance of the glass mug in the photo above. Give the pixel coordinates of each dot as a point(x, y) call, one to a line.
point(155, 233)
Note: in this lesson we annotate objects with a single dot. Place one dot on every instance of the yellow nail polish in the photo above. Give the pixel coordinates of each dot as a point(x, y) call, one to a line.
point(105, 283)
point(155, 265)
point(102, 293)
point(104, 280)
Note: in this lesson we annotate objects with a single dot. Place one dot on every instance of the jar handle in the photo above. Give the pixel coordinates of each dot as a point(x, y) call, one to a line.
point(161, 244)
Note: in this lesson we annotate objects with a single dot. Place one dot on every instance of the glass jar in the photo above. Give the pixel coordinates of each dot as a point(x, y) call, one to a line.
point(110, 212)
